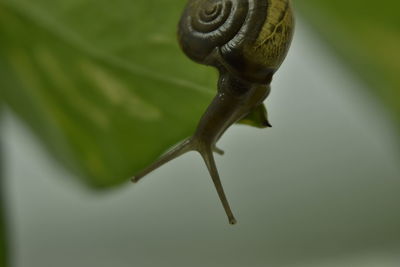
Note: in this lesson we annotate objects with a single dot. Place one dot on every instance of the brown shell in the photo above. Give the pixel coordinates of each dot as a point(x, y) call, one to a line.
point(248, 38)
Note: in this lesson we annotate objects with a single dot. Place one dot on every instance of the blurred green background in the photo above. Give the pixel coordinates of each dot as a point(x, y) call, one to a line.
point(105, 89)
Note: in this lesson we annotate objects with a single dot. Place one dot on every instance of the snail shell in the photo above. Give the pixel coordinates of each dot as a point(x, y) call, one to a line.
point(249, 38)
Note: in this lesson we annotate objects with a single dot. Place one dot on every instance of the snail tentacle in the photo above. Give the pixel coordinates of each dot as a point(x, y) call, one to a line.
point(178, 150)
point(212, 168)
point(205, 147)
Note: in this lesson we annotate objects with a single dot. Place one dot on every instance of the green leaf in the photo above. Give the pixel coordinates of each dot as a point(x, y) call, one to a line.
point(106, 88)
point(103, 84)
point(366, 34)
point(257, 118)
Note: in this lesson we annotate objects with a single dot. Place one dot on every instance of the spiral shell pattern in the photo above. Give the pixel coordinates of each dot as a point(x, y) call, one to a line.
point(247, 37)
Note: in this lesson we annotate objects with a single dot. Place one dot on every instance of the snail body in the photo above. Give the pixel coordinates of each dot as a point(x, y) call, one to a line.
point(246, 41)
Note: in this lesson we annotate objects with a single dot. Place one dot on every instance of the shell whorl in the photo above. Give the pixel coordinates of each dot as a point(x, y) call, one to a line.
point(208, 24)
point(249, 38)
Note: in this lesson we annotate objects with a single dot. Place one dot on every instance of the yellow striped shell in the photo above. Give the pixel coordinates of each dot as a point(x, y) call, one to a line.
point(248, 38)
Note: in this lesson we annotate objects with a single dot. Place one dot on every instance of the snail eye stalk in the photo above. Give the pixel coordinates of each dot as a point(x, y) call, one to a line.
point(205, 151)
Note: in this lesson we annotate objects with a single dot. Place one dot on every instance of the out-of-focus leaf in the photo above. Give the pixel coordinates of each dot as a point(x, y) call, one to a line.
point(107, 89)
point(257, 118)
point(103, 83)
point(366, 34)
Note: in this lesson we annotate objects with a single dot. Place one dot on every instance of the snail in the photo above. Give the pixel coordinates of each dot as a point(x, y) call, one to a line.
point(246, 41)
